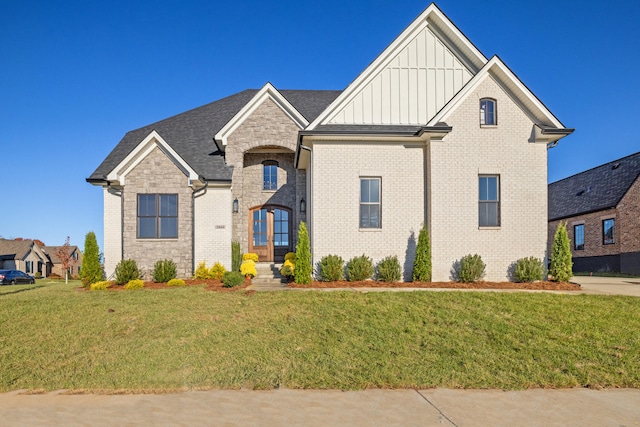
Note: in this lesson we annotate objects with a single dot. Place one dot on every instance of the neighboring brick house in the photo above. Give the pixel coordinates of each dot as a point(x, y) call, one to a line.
point(25, 255)
point(431, 132)
point(56, 267)
point(601, 208)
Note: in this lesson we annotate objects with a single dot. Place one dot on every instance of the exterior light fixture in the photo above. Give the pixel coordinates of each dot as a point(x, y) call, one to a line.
point(303, 205)
point(235, 206)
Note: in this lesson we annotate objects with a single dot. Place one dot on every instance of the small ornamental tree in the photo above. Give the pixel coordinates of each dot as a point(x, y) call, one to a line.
point(422, 263)
point(91, 271)
point(561, 264)
point(64, 255)
point(304, 268)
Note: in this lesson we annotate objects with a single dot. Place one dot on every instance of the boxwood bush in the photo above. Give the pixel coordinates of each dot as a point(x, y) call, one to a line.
point(126, 270)
point(471, 268)
point(164, 270)
point(529, 269)
point(232, 278)
point(389, 269)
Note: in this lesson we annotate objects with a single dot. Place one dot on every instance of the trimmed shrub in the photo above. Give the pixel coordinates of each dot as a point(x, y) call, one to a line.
point(359, 268)
point(202, 272)
point(288, 269)
point(250, 256)
point(389, 269)
point(91, 271)
point(100, 286)
point(248, 268)
point(304, 269)
point(529, 269)
point(232, 279)
point(217, 271)
point(290, 256)
point(561, 263)
point(331, 268)
point(134, 284)
point(471, 268)
point(126, 270)
point(164, 270)
point(38, 275)
point(422, 263)
point(236, 256)
point(175, 282)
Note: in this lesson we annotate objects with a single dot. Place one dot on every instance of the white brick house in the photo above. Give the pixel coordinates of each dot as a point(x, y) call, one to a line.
point(432, 132)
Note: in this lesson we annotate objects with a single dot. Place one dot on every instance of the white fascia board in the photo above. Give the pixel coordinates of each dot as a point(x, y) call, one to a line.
point(268, 91)
point(496, 69)
point(151, 141)
point(433, 18)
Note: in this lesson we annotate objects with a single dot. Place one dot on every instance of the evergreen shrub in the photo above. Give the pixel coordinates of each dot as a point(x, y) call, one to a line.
point(471, 268)
point(217, 271)
point(175, 282)
point(331, 268)
point(134, 284)
point(126, 270)
point(236, 256)
point(100, 286)
point(91, 271)
point(232, 279)
point(422, 263)
point(304, 269)
point(359, 268)
point(561, 267)
point(529, 269)
point(389, 269)
point(202, 272)
point(164, 270)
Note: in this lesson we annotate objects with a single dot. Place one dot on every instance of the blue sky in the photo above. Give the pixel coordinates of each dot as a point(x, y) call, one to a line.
point(78, 75)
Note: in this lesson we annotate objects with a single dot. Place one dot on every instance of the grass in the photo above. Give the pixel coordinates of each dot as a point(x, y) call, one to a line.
point(53, 336)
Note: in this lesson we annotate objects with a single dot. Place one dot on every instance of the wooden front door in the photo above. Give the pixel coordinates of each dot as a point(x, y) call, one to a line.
point(270, 232)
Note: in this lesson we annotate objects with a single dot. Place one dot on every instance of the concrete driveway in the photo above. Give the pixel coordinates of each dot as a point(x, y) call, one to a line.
point(609, 285)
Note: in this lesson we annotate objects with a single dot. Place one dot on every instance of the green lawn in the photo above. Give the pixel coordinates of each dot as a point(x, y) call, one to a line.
point(53, 336)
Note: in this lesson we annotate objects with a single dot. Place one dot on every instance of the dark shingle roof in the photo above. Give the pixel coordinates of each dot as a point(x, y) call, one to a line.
point(596, 189)
point(18, 249)
point(52, 252)
point(191, 133)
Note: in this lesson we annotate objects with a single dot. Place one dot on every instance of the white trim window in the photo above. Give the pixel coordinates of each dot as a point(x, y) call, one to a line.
point(488, 112)
point(370, 206)
point(489, 201)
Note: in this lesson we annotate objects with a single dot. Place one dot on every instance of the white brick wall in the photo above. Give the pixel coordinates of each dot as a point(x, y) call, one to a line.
point(112, 231)
point(456, 162)
point(337, 168)
point(213, 227)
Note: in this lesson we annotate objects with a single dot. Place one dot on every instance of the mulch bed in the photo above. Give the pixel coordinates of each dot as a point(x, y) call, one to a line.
point(546, 286)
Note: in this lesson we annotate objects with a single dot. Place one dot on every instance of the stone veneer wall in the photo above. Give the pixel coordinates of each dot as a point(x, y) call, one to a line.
point(268, 126)
point(158, 174)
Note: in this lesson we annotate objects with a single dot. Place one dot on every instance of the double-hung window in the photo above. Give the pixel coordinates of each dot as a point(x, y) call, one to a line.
point(370, 203)
point(157, 216)
point(578, 237)
point(608, 231)
point(489, 201)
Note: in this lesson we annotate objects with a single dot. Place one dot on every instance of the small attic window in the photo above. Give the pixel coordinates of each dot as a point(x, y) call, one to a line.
point(488, 112)
point(615, 166)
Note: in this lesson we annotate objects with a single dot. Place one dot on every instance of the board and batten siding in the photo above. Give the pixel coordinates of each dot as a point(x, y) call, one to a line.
point(411, 88)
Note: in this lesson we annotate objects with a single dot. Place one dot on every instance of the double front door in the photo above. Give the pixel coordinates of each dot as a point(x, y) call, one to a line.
point(270, 232)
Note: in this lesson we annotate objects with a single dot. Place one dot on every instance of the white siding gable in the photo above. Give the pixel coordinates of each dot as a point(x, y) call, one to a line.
point(410, 88)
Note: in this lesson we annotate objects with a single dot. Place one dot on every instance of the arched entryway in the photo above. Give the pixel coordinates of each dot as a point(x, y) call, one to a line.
point(270, 232)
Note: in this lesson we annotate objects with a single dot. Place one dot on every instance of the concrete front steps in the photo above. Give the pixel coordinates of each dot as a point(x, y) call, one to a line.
point(268, 278)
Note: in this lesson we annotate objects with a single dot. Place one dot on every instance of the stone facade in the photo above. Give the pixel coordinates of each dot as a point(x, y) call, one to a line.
point(267, 134)
point(623, 255)
point(157, 173)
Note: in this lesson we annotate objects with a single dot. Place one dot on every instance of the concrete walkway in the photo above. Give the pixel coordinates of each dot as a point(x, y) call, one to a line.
point(609, 285)
point(436, 407)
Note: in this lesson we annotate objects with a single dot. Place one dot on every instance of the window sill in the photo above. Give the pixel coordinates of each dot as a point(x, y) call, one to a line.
point(489, 228)
point(269, 191)
point(370, 230)
point(488, 126)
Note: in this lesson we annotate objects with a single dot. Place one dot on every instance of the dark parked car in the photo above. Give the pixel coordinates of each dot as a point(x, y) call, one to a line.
point(12, 277)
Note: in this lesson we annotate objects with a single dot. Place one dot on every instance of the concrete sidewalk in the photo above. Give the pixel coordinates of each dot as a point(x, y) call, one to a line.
point(436, 407)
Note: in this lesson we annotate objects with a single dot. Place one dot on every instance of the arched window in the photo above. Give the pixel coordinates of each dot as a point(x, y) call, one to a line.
point(488, 112)
point(269, 175)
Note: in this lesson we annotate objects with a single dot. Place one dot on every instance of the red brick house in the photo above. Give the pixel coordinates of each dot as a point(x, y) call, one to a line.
point(601, 208)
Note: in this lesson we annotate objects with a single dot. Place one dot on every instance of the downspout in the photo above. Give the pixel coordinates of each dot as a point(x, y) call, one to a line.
point(194, 194)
